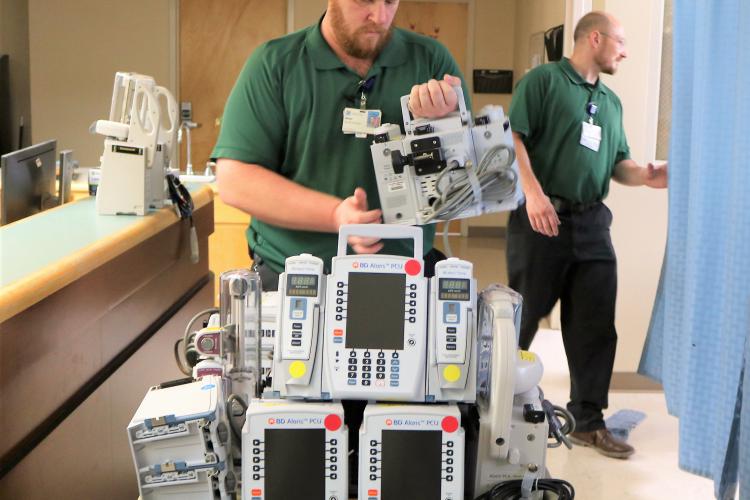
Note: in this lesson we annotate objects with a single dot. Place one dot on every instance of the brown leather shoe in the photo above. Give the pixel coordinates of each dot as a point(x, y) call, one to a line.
point(604, 442)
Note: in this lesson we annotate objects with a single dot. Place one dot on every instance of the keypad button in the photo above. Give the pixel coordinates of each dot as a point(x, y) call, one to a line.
point(380, 369)
point(352, 368)
point(450, 338)
point(380, 376)
point(352, 354)
point(366, 361)
point(380, 361)
point(373, 442)
point(296, 335)
point(394, 362)
point(394, 376)
point(373, 468)
point(373, 460)
point(297, 326)
point(296, 343)
point(394, 355)
point(394, 383)
point(449, 478)
point(451, 329)
point(365, 382)
point(352, 382)
point(367, 354)
point(352, 361)
point(334, 468)
point(333, 459)
point(367, 368)
point(334, 442)
point(451, 347)
point(381, 354)
point(449, 444)
point(334, 475)
point(352, 375)
point(366, 375)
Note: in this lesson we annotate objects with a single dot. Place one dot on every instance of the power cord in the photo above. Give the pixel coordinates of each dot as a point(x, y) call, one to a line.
point(496, 179)
point(512, 490)
point(234, 398)
point(558, 431)
point(183, 205)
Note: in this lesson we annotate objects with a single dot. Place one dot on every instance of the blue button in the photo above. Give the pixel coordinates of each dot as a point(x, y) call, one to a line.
point(394, 376)
point(394, 362)
point(394, 369)
point(394, 383)
point(338, 340)
point(352, 382)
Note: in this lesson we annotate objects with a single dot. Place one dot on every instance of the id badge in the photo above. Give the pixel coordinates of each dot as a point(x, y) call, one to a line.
point(591, 136)
point(360, 121)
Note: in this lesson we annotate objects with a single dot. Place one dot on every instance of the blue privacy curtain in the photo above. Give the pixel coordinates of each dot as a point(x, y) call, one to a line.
point(697, 344)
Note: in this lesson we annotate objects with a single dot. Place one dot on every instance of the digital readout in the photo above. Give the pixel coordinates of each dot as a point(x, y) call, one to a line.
point(453, 289)
point(302, 285)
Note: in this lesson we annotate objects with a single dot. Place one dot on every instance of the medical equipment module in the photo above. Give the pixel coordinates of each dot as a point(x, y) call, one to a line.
point(298, 348)
point(138, 150)
point(410, 451)
point(181, 443)
point(375, 337)
point(446, 168)
point(452, 349)
point(294, 450)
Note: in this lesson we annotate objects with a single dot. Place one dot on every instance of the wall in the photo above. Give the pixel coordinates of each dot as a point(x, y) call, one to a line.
point(14, 41)
point(75, 49)
point(640, 214)
point(533, 16)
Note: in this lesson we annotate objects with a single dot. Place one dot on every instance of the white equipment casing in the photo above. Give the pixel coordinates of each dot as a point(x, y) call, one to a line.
point(509, 445)
point(180, 442)
point(452, 351)
point(294, 450)
point(376, 321)
point(137, 149)
point(298, 352)
point(409, 446)
point(408, 171)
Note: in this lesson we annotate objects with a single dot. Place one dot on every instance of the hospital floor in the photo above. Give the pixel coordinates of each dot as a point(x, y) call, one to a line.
point(652, 472)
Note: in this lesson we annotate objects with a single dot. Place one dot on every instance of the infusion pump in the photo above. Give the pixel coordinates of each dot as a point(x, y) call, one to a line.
point(362, 332)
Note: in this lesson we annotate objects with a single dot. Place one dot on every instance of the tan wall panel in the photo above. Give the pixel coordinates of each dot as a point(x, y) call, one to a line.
point(216, 38)
point(75, 48)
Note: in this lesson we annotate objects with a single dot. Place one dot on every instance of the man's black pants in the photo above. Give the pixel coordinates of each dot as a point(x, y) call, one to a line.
point(579, 268)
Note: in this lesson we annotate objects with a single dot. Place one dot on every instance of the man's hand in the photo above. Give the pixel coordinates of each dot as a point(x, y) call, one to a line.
point(656, 175)
point(353, 210)
point(542, 215)
point(434, 99)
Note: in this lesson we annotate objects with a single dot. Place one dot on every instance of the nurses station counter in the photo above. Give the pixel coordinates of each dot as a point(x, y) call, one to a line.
point(90, 308)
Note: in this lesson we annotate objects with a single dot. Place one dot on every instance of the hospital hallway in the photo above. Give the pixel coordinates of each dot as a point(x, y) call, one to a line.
point(652, 472)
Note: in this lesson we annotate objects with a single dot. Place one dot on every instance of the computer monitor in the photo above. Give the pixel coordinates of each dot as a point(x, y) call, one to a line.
point(28, 181)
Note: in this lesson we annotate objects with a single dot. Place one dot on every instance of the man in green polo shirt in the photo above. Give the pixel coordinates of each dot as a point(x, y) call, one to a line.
point(567, 128)
point(282, 154)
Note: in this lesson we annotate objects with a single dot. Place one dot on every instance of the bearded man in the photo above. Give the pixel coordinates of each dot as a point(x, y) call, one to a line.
point(286, 155)
point(569, 138)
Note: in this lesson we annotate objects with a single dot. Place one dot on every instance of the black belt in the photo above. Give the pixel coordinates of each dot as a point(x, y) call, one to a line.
point(562, 205)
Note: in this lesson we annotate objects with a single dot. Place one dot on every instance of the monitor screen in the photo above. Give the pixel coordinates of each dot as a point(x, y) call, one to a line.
point(412, 465)
point(376, 311)
point(302, 285)
point(295, 465)
point(454, 289)
point(27, 182)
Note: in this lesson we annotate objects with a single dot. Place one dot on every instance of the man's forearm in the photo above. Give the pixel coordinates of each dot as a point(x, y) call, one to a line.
point(274, 199)
point(529, 181)
point(629, 173)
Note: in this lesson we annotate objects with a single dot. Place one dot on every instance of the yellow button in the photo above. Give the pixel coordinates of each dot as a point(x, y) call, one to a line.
point(297, 369)
point(451, 373)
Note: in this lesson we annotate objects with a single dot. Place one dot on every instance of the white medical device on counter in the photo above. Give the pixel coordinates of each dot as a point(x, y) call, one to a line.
point(375, 338)
point(138, 149)
point(294, 450)
point(297, 366)
point(452, 349)
point(181, 444)
point(409, 451)
point(446, 168)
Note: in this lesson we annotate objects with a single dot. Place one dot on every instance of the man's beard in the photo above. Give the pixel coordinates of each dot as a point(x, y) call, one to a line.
point(354, 44)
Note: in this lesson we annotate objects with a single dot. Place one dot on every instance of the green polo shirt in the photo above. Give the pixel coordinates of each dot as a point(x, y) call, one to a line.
point(548, 108)
point(285, 113)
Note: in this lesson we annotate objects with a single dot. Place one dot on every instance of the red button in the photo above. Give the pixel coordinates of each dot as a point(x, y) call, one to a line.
point(338, 332)
point(256, 492)
point(332, 422)
point(450, 424)
point(413, 267)
point(372, 493)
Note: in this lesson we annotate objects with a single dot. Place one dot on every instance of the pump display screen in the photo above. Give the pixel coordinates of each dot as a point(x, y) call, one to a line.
point(375, 311)
point(302, 285)
point(453, 289)
point(295, 463)
point(412, 465)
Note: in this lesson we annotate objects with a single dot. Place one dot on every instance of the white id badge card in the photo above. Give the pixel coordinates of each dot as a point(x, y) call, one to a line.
point(360, 121)
point(591, 136)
